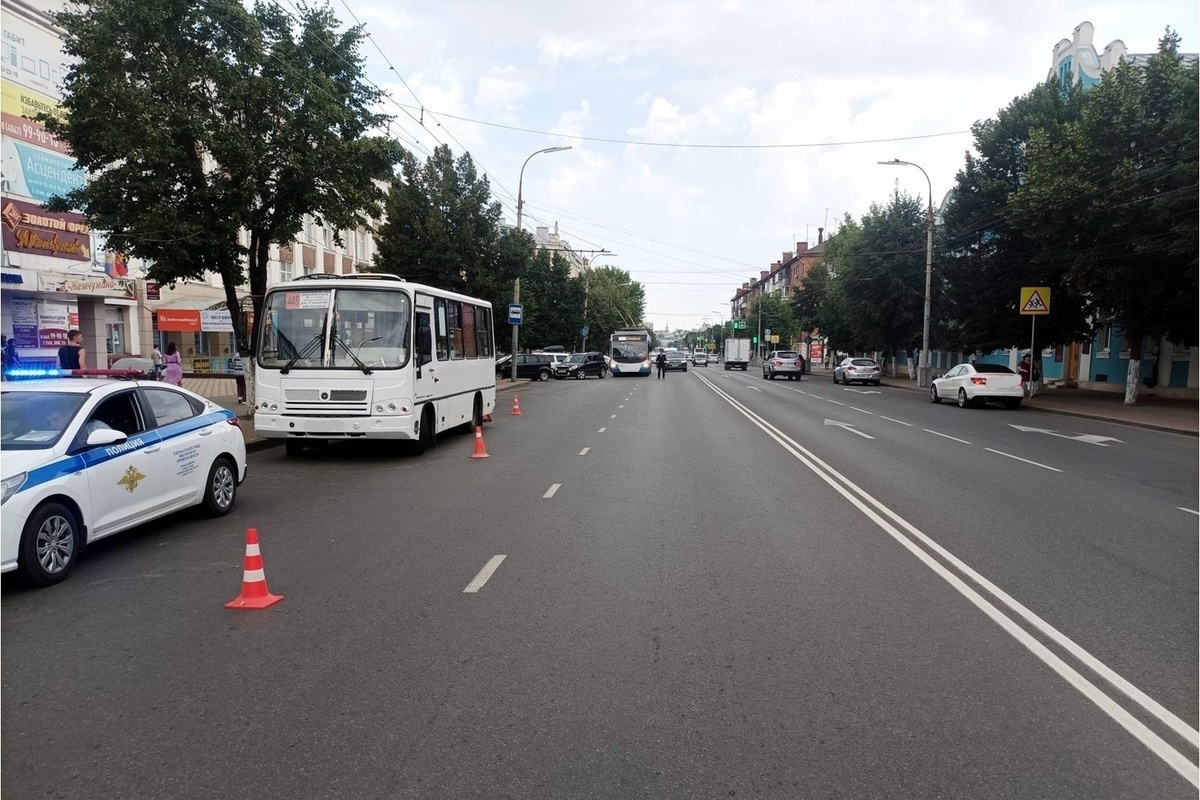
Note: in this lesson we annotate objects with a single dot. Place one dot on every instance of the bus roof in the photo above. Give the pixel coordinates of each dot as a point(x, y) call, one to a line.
point(369, 280)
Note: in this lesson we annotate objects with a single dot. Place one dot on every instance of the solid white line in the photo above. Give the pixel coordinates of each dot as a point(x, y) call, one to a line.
point(1026, 460)
point(602, 430)
point(889, 419)
point(835, 402)
point(583, 452)
point(485, 573)
point(550, 492)
point(1189, 510)
point(1135, 727)
point(946, 435)
point(863, 410)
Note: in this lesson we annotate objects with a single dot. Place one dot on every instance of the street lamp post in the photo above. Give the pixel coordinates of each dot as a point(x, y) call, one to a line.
point(517, 282)
point(923, 377)
point(721, 316)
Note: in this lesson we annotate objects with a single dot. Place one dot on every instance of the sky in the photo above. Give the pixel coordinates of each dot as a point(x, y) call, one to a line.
point(709, 136)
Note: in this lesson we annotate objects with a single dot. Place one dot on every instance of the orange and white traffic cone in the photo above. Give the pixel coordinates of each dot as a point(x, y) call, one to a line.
point(480, 452)
point(516, 412)
point(254, 582)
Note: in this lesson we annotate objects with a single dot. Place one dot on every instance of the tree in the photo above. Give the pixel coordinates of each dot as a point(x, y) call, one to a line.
point(231, 118)
point(614, 302)
point(552, 300)
point(777, 316)
point(989, 249)
point(819, 305)
point(443, 227)
point(1113, 200)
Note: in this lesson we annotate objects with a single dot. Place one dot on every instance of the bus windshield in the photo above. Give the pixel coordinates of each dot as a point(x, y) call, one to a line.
point(630, 348)
point(371, 325)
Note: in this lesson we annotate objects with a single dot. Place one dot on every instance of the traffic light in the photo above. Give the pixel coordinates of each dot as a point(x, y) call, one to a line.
point(753, 340)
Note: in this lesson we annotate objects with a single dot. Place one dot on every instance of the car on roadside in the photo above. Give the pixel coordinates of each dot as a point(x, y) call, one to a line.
point(531, 366)
point(677, 360)
point(783, 363)
point(699, 359)
point(85, 458)
point(580, 365)
point(857, 370)
point(976, 384)
point(554, 356)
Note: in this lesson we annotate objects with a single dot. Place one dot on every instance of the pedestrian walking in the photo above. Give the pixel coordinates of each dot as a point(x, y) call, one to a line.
point(172, 366)
point(8, 349)
point(239, 374)
point(156, 359)
point(661, 363)
point(72, 355)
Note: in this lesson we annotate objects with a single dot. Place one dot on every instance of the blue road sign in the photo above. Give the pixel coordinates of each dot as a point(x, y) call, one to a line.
point(515, 312)
point(583, 331)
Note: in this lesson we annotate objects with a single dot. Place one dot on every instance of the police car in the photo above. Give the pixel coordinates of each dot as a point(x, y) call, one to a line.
point(100, 451)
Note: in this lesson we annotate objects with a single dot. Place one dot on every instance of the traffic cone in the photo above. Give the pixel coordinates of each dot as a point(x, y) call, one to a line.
point(254, 582)
point(479, 451)
point(516, 412)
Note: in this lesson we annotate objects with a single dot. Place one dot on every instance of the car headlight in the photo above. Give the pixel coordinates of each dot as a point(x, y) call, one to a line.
point(11, 484)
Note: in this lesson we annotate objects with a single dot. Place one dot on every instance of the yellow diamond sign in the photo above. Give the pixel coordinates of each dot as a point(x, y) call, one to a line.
point(1035, 299)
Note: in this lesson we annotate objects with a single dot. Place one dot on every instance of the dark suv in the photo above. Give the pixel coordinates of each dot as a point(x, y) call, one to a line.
point(534, 366)
point(580, 365)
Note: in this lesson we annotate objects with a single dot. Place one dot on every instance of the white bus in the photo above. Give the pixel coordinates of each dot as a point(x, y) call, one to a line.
point(371, 357)
point(630, 354)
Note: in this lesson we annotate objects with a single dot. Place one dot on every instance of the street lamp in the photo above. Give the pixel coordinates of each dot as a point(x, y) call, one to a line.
point(721, 343)
point(517, 282)
point(923, 367)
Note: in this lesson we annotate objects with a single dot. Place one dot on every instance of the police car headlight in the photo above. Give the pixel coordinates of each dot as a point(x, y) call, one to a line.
point(10, 486)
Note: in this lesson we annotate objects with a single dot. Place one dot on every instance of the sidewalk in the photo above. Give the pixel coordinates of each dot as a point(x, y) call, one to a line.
point(1157, 413)
point(223, 392)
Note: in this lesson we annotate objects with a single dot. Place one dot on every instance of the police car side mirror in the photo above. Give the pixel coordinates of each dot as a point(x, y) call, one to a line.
point(105, 436)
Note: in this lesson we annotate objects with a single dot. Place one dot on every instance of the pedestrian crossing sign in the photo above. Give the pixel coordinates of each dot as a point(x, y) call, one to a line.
point(1035, 299)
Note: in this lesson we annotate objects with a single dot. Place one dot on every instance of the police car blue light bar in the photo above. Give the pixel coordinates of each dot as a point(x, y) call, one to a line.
point(35, 373)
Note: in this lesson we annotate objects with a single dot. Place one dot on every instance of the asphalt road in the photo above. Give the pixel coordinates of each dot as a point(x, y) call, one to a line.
point(710, 586)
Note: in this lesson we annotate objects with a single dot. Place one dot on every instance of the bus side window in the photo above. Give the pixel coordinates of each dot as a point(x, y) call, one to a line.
point(424, 340)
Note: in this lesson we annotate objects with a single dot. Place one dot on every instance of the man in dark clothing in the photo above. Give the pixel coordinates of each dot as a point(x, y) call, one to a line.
point(661, 362)
point(72, 355)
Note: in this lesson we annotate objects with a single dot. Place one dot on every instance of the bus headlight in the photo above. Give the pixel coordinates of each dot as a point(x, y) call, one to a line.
point(392, 407)
point(379, 409)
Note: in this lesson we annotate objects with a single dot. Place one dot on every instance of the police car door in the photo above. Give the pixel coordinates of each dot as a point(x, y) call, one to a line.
point(126, 480)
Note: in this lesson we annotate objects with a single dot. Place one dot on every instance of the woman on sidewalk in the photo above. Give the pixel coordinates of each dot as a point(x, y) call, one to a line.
point(172, 366)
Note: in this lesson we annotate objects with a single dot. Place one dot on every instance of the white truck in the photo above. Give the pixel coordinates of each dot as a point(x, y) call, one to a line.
point(737, 353)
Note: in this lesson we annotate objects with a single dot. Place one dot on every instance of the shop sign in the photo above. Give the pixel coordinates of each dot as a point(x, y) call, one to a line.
point(216, 321)
point(37, 173)
point(29, 228)
point(25, 322)
point(178, 319)
point(90, 285)
point(53, 322)
point(201, 365)
point(153, 290)
point(33, 132)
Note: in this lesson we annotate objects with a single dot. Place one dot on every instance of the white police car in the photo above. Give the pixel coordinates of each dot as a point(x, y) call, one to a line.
point(86, 457)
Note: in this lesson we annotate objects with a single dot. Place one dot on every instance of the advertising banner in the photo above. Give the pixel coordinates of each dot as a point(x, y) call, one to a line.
point(178, 319)
point(45, 172)
point(25, 322)
point(32, 57)
point(35, 133)
point(216, 321)
point(93, 285)
point(28, 228)
point(25, 103)
point(52, 322)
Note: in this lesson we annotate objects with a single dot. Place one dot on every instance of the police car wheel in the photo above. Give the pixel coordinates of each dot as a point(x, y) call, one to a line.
point(221, 490)
point(49, 544)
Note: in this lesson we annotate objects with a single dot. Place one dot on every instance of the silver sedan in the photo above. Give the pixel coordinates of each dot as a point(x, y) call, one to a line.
point(857, 370)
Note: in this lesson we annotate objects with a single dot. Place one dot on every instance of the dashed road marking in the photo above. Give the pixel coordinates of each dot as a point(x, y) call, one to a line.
point(1026, 460)
point(550, 492)
point(863, 410)
point(602, 430)
point(946, 436)
point(479, 580)
point(897, 421)
point(1189, 510)
point(584, 451)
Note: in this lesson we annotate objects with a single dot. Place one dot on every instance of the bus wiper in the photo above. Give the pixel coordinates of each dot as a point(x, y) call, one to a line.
point(308, 348)
point(365, 369)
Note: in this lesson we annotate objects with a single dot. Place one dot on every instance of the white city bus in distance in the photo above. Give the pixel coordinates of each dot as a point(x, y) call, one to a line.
point(630, 353)
point(371, 357)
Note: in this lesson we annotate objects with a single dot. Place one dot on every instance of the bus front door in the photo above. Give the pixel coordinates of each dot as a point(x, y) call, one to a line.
point(426, 366)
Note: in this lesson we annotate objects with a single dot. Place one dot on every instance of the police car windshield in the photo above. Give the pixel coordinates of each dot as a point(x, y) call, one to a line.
point(35, 420)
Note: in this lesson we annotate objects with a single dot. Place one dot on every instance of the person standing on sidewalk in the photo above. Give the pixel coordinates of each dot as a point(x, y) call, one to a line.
point(156, 360)
point(72, 355)
point(239, 374)
point(172, 366)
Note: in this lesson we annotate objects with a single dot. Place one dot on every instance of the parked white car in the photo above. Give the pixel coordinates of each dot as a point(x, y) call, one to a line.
point(84, 458)
point(975, 384)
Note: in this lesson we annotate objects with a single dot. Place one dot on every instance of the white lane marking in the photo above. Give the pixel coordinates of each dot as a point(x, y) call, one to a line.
point(1087, 438)
point(602, 430)
point(584, 451)
point(899, 422)
point(755, 388)
point(860, 391)
point(835, 402)
point(1156, 744)
point(863, 410)
point(946, 435)
point(1026, 460)
point(1189, 510)
point(619, 405)
point(479, 580)
point(550, 492)
point(614, 416)
point(847, 426)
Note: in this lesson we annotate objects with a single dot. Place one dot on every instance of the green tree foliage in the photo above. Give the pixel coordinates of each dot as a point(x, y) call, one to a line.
point(819, 305)
point(197, 120)
point(552, 301)
point(1112, 200)
point(990, 247)
point(614, 302)
point(777, 316)
point(443, 227)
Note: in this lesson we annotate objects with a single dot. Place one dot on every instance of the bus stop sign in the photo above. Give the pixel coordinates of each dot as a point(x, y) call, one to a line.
point(515, 312)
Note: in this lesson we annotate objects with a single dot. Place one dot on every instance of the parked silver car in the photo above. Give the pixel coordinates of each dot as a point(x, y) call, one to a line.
point(857, 370)
point(787, 363)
